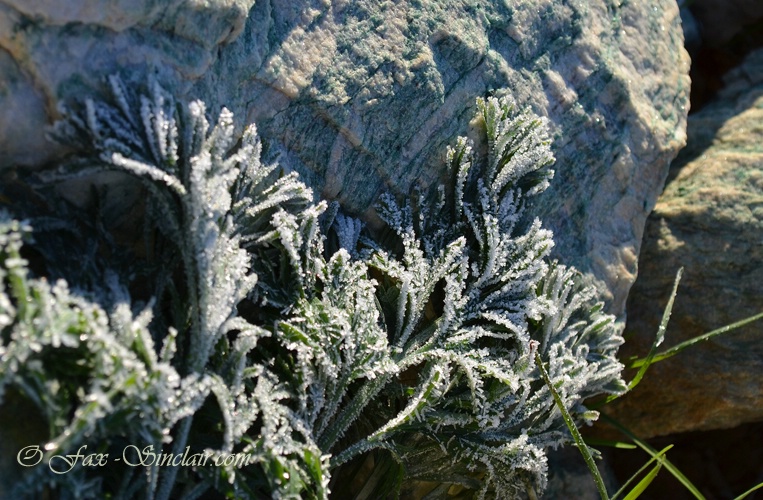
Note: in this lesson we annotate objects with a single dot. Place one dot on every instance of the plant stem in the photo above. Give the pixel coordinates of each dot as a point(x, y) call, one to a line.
point(169, 480)
point(573, 430)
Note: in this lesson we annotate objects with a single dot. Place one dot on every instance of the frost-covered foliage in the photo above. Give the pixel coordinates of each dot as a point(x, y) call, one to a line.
point(336, 360)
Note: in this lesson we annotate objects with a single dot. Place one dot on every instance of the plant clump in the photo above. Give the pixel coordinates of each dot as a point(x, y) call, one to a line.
point(245, 319)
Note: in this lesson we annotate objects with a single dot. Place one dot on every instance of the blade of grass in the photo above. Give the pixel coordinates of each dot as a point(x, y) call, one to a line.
point(651, 451)
point(743, 495)
point(683, 345)
point(653, 350)
point(660, 333)
point(622, 445)
point(643, 484)
point(642, 469)
point(573, 430)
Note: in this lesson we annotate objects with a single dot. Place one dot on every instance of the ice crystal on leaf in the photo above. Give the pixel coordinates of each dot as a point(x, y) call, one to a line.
point(289, 334)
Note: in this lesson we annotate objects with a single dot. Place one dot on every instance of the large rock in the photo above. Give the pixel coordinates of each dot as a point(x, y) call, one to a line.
point(710, 220)
point(365, 96)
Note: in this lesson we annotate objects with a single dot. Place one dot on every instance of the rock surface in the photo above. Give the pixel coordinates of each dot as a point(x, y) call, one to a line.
point(362, 97)
point(709, 220)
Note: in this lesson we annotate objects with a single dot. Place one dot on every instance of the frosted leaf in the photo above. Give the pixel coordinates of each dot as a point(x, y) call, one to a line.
point(348, 231)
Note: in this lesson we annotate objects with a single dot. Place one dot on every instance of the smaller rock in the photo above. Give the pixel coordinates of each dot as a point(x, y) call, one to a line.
point(709, 220)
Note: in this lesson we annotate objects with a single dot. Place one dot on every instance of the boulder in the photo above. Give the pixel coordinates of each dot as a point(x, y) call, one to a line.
point(709, 220)
point(362, 97)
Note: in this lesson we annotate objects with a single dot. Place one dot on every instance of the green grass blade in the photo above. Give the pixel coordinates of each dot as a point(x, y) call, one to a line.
point(683, 345)
point(622, 445)
point(651, 451)
point(573, 430)
point(660, 334)
point(642, 485)
point(743, 495)
point(657, 457)
point(650, 358)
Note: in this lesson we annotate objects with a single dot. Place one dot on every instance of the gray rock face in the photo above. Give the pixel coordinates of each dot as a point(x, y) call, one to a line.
point(710, 220)
point(362, 97)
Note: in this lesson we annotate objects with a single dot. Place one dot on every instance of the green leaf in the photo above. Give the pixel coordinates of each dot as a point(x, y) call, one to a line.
point(746, 493)
point(636, 474)
point(652, 452)
point(683, 345)
point(642, 485)
point(660, 334)
point(573, 430)
point(650, 358)
point(622, 445)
